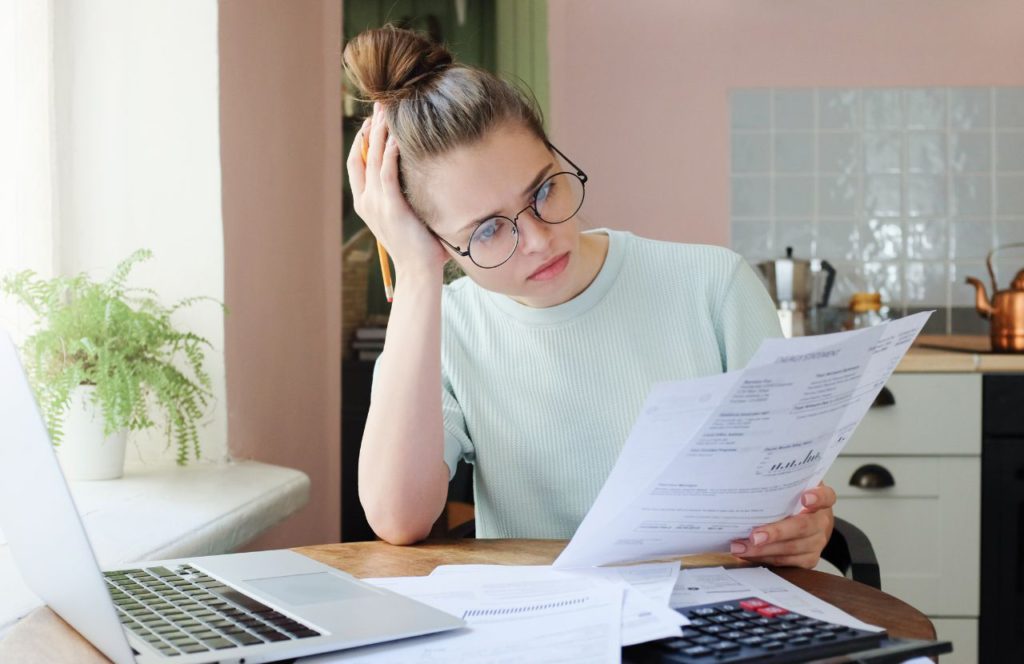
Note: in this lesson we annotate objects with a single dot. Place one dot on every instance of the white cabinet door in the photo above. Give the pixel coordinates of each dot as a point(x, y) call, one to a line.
point(924, 529)
point(934, 414)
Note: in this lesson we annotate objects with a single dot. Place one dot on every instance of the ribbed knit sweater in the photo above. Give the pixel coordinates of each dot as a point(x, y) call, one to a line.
point(541, 400)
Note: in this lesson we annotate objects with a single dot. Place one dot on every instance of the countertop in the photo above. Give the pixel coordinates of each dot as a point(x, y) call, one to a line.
point(958, 353)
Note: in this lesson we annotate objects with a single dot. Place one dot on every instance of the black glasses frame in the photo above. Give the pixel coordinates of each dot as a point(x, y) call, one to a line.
point(579, 174)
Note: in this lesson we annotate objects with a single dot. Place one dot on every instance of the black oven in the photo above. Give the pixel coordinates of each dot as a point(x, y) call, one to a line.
point(1001, 623)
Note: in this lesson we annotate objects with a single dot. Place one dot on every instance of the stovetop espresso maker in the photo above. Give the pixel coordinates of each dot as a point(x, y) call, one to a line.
point(794, 285)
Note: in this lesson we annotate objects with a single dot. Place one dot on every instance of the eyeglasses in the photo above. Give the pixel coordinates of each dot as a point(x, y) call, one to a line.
point(557, 200)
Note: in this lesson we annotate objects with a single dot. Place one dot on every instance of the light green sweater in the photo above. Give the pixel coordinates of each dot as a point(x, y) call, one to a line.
point(542, 400)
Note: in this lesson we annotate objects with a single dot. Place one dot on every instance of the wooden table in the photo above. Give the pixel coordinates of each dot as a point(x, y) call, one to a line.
point(44, 637)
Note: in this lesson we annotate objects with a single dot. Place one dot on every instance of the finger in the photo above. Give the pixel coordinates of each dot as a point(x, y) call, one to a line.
point(389, 168)
point(818, 498)
point(378, 134)
point(807, 561)
point(793, 527)
point(354, 163)
point(806, 545)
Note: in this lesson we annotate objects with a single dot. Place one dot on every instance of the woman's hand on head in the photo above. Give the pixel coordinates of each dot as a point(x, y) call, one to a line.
point(795, 541)
point(378, 200)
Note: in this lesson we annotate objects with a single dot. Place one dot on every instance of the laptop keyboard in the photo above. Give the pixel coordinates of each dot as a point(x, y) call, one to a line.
point(183, 611)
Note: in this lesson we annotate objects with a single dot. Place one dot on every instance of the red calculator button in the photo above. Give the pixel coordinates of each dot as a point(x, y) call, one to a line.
point(772, 611)
point(753, 604)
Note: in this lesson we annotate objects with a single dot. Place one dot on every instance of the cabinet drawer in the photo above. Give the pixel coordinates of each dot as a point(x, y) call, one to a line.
point(963, 633)
point(924, 529)
point(933, 414)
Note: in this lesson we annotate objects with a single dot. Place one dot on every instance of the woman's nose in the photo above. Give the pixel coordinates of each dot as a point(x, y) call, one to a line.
point(534, 234)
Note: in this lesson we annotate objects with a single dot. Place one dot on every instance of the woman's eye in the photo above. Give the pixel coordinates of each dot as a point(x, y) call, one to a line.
point(486, 230)
point(544, 190)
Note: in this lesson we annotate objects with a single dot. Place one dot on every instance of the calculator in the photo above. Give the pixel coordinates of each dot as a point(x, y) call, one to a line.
point(755, 630)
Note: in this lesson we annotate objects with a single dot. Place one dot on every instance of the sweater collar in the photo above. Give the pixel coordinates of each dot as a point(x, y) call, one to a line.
point(618, 247)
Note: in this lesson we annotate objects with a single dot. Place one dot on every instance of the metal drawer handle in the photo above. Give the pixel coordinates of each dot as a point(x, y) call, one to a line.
point(884, 398)
point(872, 476)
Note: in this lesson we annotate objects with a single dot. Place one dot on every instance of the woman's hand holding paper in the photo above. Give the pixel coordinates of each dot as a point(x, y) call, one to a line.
point(795, 541)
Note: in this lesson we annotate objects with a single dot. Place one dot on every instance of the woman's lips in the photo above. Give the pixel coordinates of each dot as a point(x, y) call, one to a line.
point(551, 269)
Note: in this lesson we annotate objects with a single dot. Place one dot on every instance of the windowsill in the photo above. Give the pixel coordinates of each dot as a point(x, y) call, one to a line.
point(164, 511)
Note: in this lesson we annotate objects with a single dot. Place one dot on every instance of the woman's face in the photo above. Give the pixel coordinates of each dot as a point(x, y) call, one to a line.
point(499, 175)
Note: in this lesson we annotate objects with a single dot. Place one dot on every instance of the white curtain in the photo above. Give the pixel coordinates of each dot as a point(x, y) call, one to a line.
point(28, 205)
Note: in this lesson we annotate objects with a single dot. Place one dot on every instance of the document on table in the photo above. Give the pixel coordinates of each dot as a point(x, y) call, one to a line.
point(574, 619)
point(709, 459)
point(705, 585)
point(646, 615)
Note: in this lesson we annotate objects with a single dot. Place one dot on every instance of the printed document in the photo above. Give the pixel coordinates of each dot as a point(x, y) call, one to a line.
point(646, 615)
point(574, 619)
point(709, 459)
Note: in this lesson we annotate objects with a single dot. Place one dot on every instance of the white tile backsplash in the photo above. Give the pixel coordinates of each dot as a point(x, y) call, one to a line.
point(971, 196)
point(970, 152)
point(926, 108)
point(883, 152)
point(794, 109)
point(970, 108)
point(794, 152)
point(1010, 151)
point(751, 109)
point(1010, 108)
point(883, 109)
point(839, 109)
point(1010, 195)
point(904, 190)
point(926, 152)
point(839, 152)
point(794, 196)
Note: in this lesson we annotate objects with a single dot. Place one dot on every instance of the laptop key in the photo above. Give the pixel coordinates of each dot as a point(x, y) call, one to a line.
point(195, 647)
point(278, 636)
point(247, 639)
point(243, 601)
point(218, 643)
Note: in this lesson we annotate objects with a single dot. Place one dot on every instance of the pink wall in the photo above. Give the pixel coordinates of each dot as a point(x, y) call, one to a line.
point(639, 90)
point(280, 68)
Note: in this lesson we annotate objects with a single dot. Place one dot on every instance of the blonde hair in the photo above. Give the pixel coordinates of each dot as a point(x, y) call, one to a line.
point(433, 104)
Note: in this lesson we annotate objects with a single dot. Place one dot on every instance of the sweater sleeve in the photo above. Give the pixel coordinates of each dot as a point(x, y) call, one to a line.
point(745, 318)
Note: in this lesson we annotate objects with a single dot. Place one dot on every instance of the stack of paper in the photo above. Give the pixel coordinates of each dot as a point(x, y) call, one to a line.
point(532, 614)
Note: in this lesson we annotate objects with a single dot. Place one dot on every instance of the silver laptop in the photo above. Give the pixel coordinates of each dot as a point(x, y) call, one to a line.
point(251, 607)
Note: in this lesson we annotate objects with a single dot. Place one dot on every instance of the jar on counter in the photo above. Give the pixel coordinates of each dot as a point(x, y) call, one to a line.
point(865, 311)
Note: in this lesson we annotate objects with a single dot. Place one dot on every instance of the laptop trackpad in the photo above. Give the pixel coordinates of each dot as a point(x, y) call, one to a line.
point(314, 588)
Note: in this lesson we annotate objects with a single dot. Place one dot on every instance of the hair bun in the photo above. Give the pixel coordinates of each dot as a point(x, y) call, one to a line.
point(390, 64)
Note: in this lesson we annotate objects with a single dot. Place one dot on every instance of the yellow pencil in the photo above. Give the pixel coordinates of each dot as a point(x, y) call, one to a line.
point(382, 253)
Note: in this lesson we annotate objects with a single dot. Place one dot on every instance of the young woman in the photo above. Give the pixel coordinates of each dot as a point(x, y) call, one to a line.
point(535, 364)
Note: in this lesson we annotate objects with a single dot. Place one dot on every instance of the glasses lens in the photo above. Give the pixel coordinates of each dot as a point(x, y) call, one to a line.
point(493, 242)
point(559, 198)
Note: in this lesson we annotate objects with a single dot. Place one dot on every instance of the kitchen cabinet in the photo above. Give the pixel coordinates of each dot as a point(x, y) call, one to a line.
point(910, 478)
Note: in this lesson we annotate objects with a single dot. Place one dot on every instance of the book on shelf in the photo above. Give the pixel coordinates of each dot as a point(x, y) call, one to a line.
point(368, 355)
point(367, 333)
point(368, 344)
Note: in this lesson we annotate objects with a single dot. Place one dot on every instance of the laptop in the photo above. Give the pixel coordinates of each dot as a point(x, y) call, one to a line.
point(246, 607)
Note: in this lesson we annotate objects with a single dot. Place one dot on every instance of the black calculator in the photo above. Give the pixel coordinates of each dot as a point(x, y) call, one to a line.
point(755, 630)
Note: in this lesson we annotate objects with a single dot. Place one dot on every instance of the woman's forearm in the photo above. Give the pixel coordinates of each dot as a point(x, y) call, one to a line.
point(403, 479)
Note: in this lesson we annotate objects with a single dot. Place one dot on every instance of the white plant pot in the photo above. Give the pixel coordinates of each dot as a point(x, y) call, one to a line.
point(84, 452)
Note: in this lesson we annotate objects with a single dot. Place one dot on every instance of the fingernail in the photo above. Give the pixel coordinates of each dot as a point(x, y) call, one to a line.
point(810, 499)
point(736, 547)
point(391, 141)
point(759, 538)
point(376, 107)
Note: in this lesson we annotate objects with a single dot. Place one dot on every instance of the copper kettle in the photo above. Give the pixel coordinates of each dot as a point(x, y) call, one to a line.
point(1006, 309)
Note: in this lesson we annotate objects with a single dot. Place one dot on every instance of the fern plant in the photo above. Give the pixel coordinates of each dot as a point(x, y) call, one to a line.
point(121, 341)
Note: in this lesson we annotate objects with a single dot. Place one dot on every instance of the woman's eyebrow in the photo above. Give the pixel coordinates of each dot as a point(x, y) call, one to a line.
point(530, 188)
